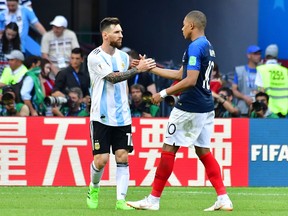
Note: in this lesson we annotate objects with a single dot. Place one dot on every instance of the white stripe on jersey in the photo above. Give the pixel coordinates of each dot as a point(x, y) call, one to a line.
point(109, 102)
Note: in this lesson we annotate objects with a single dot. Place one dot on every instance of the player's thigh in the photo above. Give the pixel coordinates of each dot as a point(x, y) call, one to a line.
point(121, 138)
point(184, 128)
point(100, 137)
point(204, 139)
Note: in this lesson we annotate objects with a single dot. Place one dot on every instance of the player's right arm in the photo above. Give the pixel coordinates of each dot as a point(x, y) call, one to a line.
point(168, 73)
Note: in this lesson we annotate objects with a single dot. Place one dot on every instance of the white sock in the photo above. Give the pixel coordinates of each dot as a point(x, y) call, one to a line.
point(122, 180)
point(95, 175)
point(152, 199)
point(223, 197)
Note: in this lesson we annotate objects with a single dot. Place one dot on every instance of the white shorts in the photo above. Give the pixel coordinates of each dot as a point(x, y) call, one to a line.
point(188, 129)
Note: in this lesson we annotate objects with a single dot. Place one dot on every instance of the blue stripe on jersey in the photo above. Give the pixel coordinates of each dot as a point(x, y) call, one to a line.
point(117, 96)
point(103, 104)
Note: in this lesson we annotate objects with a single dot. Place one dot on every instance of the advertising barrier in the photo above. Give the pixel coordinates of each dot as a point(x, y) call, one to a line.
point(50, 151)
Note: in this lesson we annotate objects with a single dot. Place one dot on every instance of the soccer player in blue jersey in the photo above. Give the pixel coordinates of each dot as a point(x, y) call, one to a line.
point(191, 120)
point(110, 116)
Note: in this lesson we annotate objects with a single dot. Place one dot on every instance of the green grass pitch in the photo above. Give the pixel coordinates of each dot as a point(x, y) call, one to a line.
point(70, 201)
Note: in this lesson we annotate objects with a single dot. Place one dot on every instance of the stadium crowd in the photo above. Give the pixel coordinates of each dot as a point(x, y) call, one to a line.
point(52, 79)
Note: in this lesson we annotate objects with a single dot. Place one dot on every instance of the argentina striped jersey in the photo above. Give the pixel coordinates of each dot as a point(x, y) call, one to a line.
point(109, 102)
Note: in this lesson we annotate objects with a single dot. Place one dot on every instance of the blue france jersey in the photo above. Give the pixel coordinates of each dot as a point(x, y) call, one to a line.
point(199, 56)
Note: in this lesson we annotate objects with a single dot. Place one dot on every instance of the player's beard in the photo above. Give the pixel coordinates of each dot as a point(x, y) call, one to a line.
point(116, 44)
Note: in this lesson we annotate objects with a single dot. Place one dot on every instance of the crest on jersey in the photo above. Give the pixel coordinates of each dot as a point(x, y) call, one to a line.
point(192, 60)
point(96, 145)
point(123, 65)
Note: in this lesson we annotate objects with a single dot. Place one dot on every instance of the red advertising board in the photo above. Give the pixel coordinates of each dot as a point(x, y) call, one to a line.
point(49, 151)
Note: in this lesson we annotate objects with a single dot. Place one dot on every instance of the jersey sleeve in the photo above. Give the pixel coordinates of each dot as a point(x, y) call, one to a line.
point(31, 15)
point(97, 66)
point(194, 57)
point(258, 80)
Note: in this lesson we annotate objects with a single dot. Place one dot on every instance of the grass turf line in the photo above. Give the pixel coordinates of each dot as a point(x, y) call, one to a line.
point(54, 201)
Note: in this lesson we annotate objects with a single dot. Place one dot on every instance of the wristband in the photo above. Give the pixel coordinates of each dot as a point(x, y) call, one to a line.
point(163, 93)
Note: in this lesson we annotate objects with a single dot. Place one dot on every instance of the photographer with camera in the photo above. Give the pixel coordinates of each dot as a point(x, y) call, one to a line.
point(70, 106)
point(75, 75)
point(141, 105)
point(9, 105)
point(223, 105)
point(260, 107)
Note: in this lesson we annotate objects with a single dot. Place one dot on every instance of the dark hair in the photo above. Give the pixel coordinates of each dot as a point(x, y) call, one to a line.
point(227, 90)
point(106, 22)
point(77, 91)
point(216, 68)
point(138, 87)
point(14, 43)
point(7, 88)
point(43, 63)
point(30, 60)
point(77, 50)
point(134, 54)
point(198, 18)
point(262, 94)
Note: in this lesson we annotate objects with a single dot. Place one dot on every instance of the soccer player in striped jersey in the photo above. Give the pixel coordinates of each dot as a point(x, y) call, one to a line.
point(110, 116)
point(191, 120)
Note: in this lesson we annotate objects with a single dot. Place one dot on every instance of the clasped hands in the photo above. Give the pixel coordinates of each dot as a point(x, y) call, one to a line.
point(146, 64)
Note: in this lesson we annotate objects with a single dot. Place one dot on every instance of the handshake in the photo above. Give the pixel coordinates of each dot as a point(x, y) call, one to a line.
point(143, 64)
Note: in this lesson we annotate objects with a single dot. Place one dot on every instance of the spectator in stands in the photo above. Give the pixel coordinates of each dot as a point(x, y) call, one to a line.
point(272, 78)
point(73, 106)
point(47, 82)
point(10, 40)
point(141, 105)
point(224, 106)
point(243, 87)
point(216, 81)
point(31, 91)
point(260, 107)
point(9, 105)
point(14, 73)
point(57, 44)
point(24, 17)
point(145, 79)
point(26, 3)
point(73, 76)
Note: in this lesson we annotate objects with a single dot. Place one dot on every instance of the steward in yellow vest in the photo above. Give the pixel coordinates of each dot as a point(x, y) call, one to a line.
point(273, 79)
point(13, 74)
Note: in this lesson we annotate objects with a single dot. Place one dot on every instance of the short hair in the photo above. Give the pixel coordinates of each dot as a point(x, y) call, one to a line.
point(138, 87)
point(77, 50)
point(198, 18)
point(30, 60)
point(262, 94)
point(14, 0)
point(227, 90)
point(106, 22)
point(77, 91)
point(134, 54)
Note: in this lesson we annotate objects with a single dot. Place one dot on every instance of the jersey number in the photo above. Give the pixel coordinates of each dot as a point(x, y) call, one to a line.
point(276, 75)
point(129, 141)
point(209, 69)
